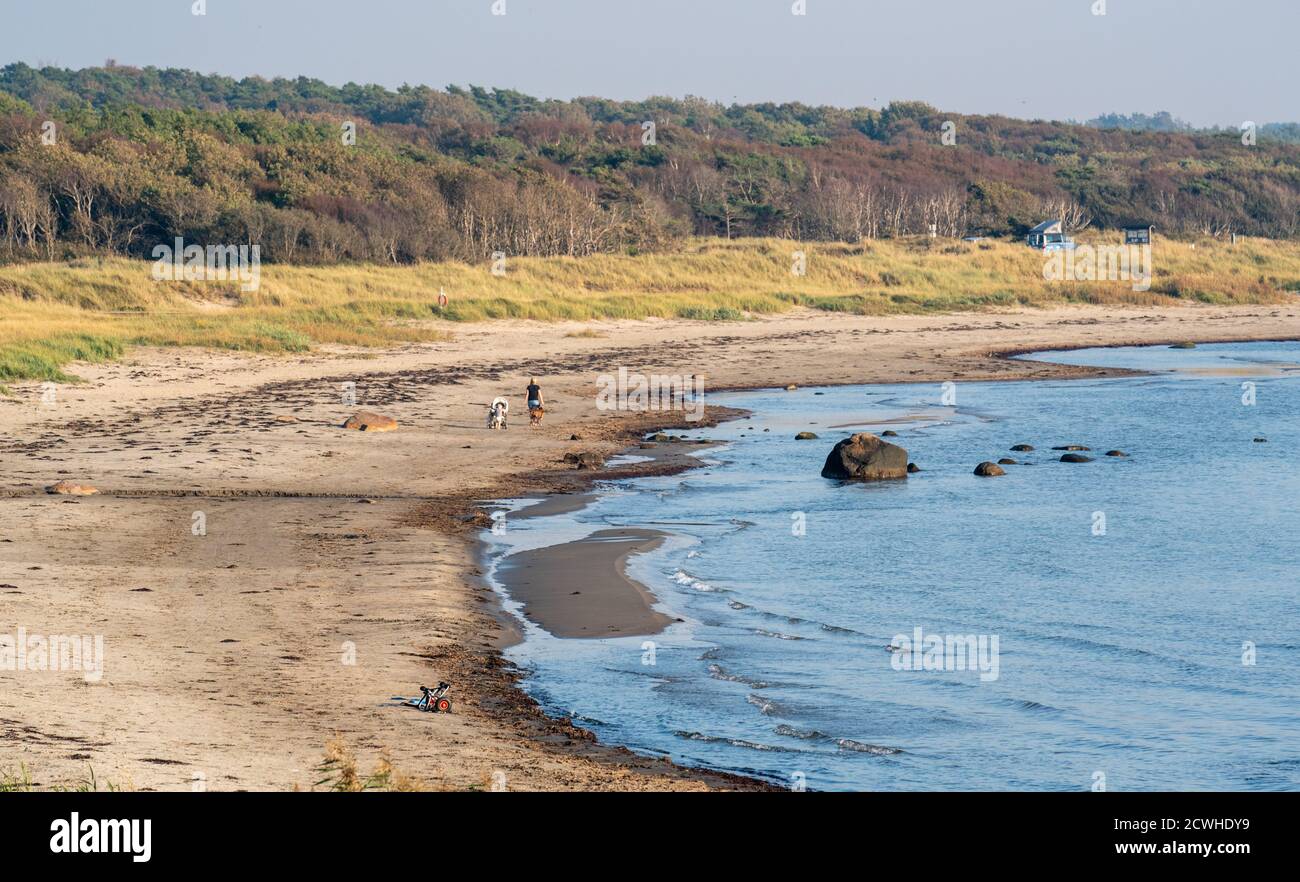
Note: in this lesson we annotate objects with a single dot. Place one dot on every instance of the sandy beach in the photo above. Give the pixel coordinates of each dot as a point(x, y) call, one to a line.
point(335, 568)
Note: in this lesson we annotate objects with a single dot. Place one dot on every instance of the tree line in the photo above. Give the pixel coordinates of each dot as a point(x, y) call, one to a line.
point(118, 159)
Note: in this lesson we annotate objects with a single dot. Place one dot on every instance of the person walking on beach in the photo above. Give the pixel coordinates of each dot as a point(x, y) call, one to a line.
point(536, 406)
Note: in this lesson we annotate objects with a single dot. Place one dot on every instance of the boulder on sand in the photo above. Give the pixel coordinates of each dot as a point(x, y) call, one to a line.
point(70, 488)
point(585, 459)
point(864, 457)
point(989, 470)
point(365, 421)
point(1076, 457)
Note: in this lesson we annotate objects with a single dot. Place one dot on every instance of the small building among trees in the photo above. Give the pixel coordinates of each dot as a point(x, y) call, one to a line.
point(1139, 233)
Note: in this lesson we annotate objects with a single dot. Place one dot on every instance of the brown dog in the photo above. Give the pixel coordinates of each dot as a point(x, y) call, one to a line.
point(535, 416)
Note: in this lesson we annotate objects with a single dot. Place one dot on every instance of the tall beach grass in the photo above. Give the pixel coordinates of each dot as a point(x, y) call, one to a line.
point(91, 310)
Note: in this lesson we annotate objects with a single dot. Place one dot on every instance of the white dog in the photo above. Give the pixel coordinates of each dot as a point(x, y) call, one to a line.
point(496, 418)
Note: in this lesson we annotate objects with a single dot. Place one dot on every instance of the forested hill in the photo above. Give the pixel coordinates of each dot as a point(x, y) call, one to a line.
point(140, 156)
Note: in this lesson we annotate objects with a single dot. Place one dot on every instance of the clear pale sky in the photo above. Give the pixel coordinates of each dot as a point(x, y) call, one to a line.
point(1211, 62)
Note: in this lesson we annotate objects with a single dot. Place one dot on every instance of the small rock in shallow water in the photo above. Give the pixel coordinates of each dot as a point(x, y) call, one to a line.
point(1116, 453)
point(806, 436)
point(1075, 457)
point(1006, 460)
point(989, 470)
point(913, 468)
point(1023, 448)
point(1261, 440)
point(1072, 447)
point(889, 433)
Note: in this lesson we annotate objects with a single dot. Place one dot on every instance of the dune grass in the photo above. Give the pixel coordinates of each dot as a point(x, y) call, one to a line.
point(338, 772)
point(90, 310)
point(21, 782)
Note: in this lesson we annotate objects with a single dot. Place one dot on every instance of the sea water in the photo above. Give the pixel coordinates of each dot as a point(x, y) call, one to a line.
point(1139, 615)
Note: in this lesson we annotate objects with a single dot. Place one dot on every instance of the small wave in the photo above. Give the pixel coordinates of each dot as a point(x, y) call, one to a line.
point(736, 604)
point(762, 632)
point(767, 706)
point(859, 747)
point(718, 673)
point(711, 653)
point(802, 734)
point(734, 742)
point(1183, 664)
point(681, 577)
point(639, 671)
point(836, 629)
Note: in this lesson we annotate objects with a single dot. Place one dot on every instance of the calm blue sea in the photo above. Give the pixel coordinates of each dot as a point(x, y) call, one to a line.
point(1146, 610)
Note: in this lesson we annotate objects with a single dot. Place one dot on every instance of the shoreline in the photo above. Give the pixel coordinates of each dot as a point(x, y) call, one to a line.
point(568, 558)
point(169, 432)
point(581, 589)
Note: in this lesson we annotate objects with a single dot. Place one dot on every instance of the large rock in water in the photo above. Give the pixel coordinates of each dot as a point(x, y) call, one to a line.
point(864, 457)
point(366, 421)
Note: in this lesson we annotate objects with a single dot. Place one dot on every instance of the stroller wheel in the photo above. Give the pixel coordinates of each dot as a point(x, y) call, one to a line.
point(444, 705)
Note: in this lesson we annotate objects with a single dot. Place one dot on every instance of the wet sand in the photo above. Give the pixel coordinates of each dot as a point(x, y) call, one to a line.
point(581, 589)
point(552, 505)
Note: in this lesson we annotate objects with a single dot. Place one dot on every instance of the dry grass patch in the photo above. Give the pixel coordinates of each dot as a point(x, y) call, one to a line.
point(53, 314)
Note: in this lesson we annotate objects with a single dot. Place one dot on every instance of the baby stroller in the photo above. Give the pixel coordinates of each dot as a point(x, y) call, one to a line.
point(433, 701)
point(496, 418)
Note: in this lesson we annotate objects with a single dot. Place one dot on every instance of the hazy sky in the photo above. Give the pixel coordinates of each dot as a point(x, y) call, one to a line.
point(1208, 61)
